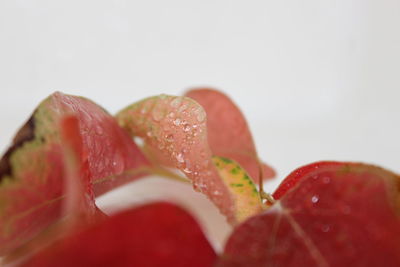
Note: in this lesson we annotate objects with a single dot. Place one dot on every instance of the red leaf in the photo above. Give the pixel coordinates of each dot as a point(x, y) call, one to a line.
point(228, 133)
point(158, 234)
point(79, 198)
point(294, 177)
point(32, 170)
point(336, 215)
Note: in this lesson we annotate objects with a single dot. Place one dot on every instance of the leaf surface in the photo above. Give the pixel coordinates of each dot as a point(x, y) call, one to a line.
point(338, 214)
point(228, 132)
point(175, 133)
point(157, 234)
point(32, 171)
point(244, 192)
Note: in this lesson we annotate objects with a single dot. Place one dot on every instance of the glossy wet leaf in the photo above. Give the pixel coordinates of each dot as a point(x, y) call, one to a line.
point(228, 132)
point(335, 215)
point(175, 133)
point(157, 234)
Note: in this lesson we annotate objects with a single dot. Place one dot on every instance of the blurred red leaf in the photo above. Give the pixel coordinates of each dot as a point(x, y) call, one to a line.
point(158, 234)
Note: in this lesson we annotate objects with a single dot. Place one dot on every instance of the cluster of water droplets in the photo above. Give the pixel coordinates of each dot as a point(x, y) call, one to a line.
point(176, 128)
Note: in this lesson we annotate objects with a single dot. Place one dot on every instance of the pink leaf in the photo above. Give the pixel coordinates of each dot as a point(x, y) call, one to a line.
point(228, 133)
point(175, 132)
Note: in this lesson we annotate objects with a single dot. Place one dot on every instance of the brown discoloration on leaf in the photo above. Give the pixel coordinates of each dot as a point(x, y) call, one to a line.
point(25, 134)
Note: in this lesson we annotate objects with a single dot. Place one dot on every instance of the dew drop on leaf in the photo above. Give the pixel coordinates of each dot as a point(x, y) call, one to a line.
point(325, 228)
point(169, 138)
point(177, 122)
point(186, 127)
point(326, 180)
point(182, 108)
point(158, 113)
point(201, 115)
point(176, 102)
point(180, 158)
point(314, 199)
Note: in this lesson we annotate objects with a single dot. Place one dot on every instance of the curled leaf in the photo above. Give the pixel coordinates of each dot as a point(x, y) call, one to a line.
point(228, 132)
point(244, 192)
point(175, 133)
point(33, 167)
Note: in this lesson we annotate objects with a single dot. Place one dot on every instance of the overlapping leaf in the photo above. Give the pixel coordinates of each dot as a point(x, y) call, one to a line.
point(32, 170)
point(228, 132)
point(175, 133)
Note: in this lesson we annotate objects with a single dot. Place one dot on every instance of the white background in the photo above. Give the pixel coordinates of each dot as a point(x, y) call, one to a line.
point(317, 80)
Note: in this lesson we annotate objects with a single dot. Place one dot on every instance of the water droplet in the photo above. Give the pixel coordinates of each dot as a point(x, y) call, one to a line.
point(171, 114)
point(176, 102)
point(177, 122)
point(314, 199)
point(216, 193)
point(145, 107)
point(196, 173)
point(158, 113)
point(186, 127)
point(118, 163)
point(180, 158)
point(201, 115)
point(325, 228)
point(149, 134)
point(187, 170)
point(326, 179)
point(169, 137)
point(182, 108)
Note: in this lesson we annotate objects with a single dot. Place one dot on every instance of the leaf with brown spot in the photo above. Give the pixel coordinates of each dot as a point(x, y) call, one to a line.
point(32, 178)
